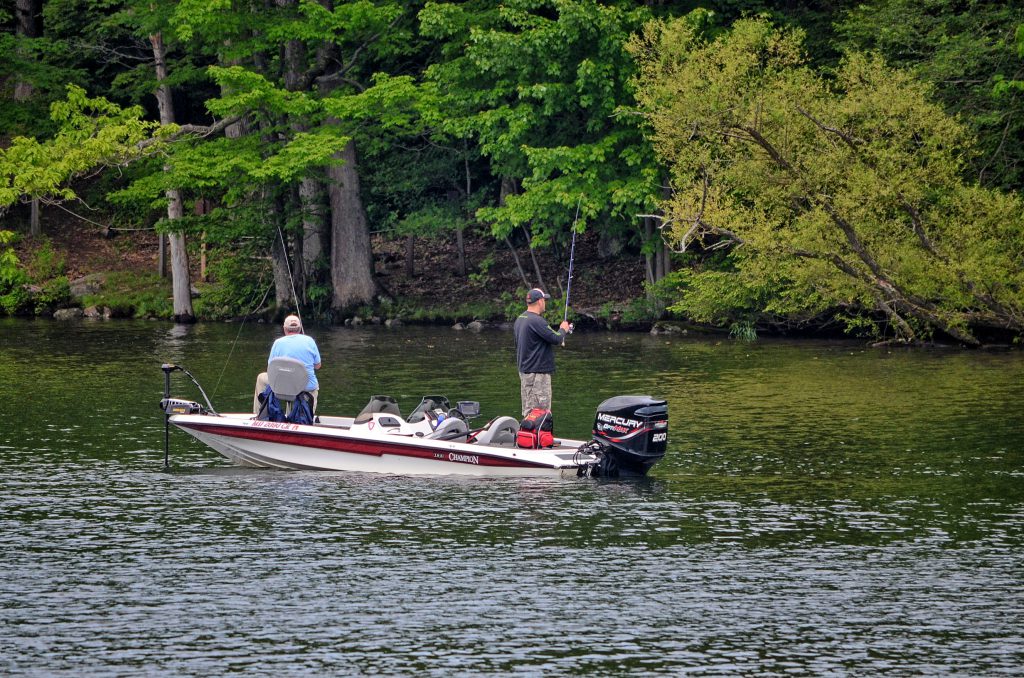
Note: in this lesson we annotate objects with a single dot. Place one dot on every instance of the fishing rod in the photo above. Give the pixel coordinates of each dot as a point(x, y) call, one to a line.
point(572, 256)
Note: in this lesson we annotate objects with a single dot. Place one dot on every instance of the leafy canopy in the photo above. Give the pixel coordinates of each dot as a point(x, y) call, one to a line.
point(833, 193)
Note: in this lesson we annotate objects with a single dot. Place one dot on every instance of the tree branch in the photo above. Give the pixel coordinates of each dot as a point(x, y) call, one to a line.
point(201, 131)
point(767, 146)
point(328, 81)
point(850, 141)
point(915, 305)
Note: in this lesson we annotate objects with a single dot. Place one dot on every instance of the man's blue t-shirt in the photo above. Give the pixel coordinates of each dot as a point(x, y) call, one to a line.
point(300, 347)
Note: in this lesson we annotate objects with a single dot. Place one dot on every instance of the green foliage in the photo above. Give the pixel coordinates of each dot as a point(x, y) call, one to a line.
point(14, 298)
point(11, 273)
point(128, 295)
point(17, 301)
point(422, 312)
point(432, 221)
point(1006, 87)
point(453, 104)
point(46, 263)
point(92, 132)
point(743, 330)
point(239, 284)
point(319, 297)
point(481, 277)
point(41, 64)
point(53, 294)
point(640, 311)
point(46, 269)
point(972, 54)
point(842, 192)
point(861, 326)
point(513, 303)
point(539, 87)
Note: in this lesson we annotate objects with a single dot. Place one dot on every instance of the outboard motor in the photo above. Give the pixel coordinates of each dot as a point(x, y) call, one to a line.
point(631, 433)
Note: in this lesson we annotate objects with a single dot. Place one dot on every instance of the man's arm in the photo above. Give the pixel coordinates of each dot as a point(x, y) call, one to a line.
point(549, 334)
point(316, 356)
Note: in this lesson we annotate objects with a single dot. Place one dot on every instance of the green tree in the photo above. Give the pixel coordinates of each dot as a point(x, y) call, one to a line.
point(969, 52)
point(539, 87)
point(830, 194)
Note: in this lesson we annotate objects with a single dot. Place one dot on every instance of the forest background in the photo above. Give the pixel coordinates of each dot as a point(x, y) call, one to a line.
point(826, 167)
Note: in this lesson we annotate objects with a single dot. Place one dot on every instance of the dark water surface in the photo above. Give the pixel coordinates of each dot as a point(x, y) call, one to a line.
point(824, 509)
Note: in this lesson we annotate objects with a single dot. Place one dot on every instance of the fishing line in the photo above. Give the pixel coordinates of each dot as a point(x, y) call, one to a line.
point(295, 298)
point(240, 326)
point(291, 280)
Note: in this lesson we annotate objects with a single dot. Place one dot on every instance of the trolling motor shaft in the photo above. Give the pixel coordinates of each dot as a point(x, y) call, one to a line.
point(167, 369)
point(178, 405)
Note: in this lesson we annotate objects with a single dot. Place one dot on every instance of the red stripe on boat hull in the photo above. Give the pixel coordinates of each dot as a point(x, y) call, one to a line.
point(372, 448)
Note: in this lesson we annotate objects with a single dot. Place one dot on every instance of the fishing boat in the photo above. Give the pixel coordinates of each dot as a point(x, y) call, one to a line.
point(630, 435)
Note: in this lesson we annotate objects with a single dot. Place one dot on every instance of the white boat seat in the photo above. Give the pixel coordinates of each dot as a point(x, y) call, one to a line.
point(378, 403)
point(500, 431)
point(452, 429)
point(287, 378)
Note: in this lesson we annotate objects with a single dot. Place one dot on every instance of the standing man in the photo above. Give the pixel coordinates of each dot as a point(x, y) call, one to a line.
point(536, 359)
point(294, 344)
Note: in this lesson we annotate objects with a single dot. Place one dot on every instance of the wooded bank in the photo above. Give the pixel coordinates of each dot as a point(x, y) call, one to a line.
point(854, 166)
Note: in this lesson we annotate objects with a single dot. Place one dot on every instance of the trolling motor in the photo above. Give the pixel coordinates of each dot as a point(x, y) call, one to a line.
point(630, 436)
point(178, 405)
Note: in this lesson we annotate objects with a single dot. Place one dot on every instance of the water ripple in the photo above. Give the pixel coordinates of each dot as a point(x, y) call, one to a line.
point(797, 526)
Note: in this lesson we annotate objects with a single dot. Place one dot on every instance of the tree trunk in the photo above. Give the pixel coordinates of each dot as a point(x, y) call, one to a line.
point(35, 229)
point(659, 250)
point(666, 255)
point(511, 187)
point(519, 265)
point(202, 208)
point(161, 264)
point(299, 273)
point(311, 246)
point(508, 187)
point(181, 285)
point(650, 272)
point(279, 258)
point(533, 258)
point(28, 15)
point(311, 204)
point(351, 256)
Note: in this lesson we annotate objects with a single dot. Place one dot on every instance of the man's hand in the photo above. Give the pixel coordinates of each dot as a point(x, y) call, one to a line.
point(566, 327)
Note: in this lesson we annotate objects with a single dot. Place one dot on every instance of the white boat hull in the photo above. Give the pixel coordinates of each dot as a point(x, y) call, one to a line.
point(260, 444)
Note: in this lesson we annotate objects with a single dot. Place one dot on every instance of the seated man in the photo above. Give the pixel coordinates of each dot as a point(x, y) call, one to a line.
point(294, 344)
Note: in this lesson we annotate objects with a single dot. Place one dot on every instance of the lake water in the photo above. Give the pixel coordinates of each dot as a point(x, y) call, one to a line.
point(824, 509)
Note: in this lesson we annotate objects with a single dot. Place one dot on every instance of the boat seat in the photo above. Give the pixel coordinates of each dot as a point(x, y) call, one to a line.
point(500, 431)
point(428, 403)
point(378, 403)
point(287, 378)
point(452, 429)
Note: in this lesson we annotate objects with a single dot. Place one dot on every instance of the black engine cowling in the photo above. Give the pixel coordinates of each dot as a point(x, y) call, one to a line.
point(632, 432)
